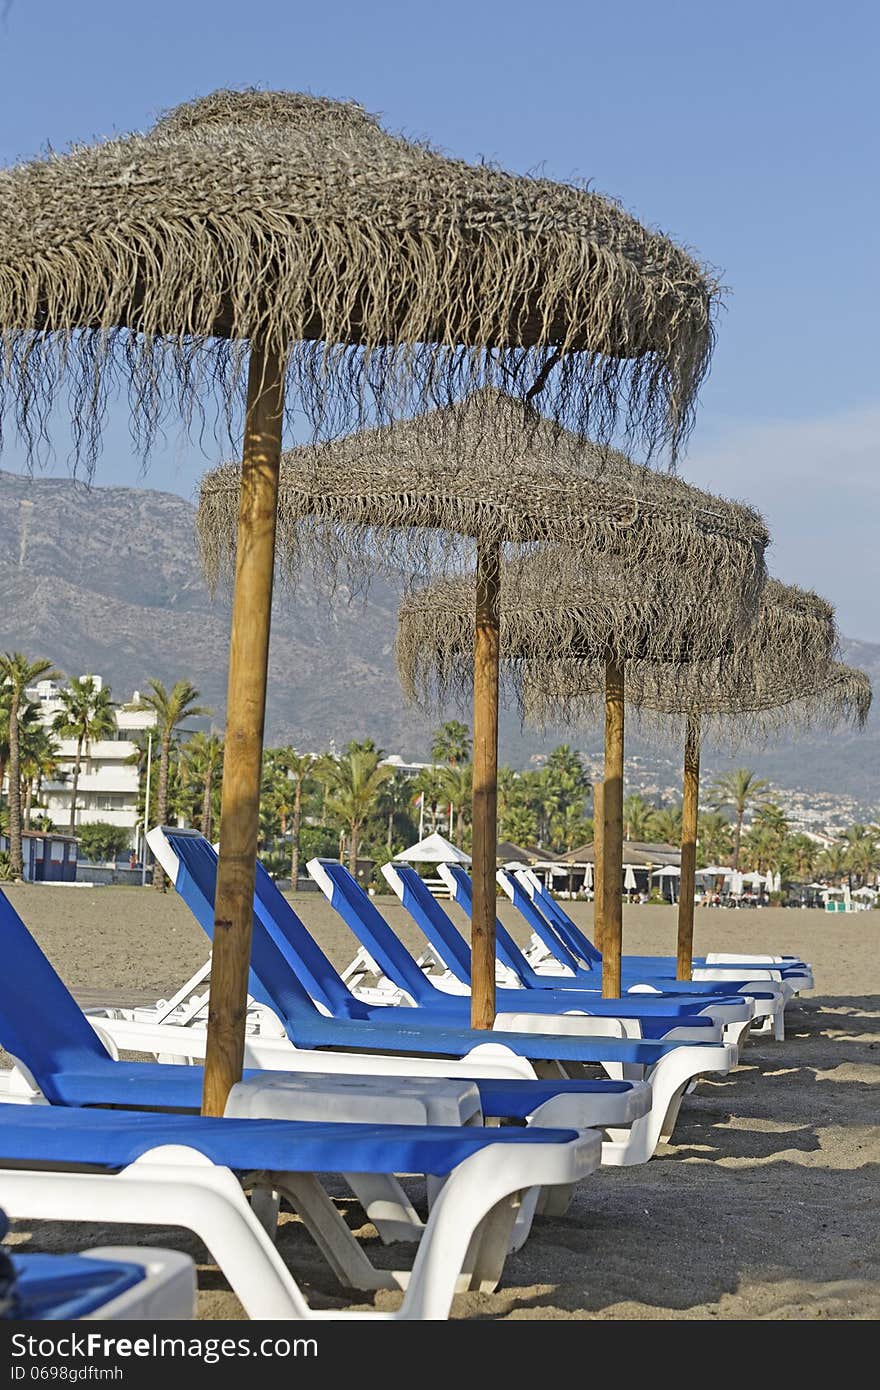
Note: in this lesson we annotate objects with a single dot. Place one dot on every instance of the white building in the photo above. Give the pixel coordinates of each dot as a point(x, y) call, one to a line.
point(108, 780)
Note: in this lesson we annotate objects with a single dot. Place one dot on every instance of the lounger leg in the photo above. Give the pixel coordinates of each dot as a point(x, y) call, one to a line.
point(554, 1201)
point(387, 1206)
point(490, 1245)
point(668, 1080)
point(266, 1205)
point(329, 1232)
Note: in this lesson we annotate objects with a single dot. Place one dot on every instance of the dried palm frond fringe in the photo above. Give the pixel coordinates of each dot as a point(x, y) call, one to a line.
point(388, 276)
point(681, 604)
point(838, 696)
point(783, 676)
point(412, 498)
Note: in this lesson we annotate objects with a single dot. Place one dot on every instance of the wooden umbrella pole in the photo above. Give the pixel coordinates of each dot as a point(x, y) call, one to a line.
point(612, 895)
point(245, 712)
point(485, 786)
point(689, 812)
point(598, 863)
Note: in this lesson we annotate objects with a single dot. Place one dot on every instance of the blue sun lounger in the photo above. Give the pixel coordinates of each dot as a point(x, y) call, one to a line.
point(106, 1284)
point(658, 972)
point(309, 971)
point(581, 985)
point(669, 1067)
point(566, 942)
point(44, 1029)
point(118, 1167)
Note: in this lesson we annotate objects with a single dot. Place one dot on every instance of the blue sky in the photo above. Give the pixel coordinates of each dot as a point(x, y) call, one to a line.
point(747, 131)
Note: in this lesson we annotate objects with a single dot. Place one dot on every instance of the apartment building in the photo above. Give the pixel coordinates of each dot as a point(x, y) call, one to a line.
point(108, 779)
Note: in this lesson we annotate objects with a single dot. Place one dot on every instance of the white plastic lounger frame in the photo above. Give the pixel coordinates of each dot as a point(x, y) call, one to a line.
point(464, 1245)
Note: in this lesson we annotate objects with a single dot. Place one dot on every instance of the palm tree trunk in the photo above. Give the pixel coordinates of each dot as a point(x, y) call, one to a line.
point(353, 849)
point(390, 832)
point(206, 804)
point(459, 828)
point(736, 838)
point(75, 786)
point(28, 803)
point(294, 837)
point(162, 806)
point(15, 860)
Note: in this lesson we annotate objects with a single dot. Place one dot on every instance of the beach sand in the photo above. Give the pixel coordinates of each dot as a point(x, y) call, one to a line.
point(764, 1206)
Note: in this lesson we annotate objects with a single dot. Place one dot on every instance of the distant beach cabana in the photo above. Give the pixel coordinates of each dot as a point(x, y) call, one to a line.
point(782, 675)
point(662, 571)
point(253, 240)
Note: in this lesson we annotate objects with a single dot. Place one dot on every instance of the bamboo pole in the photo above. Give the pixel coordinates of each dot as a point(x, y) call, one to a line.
point(598, 863)
point(245, 713)
point(612, 896)
point(689, 811)
point(485, 786)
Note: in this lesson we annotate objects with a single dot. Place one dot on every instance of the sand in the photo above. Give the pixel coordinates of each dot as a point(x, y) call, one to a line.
point(764, 1206)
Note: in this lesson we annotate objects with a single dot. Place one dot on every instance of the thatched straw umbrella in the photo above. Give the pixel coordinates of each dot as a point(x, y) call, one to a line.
point(632, 524)
point(420, 496)
point(365, 270)
point(782, 676)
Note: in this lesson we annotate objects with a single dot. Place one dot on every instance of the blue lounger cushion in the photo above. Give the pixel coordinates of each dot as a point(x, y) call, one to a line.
point(72, 1067)
point(577, 942)
point(50, 1288)
point(658, 970)
point(428, 914)
point(111, 1140)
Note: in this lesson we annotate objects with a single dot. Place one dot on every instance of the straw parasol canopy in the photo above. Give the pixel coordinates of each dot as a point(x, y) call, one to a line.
point(676, 591)
point(381, 269)
point(414, 497)
point(253, 241)
point(781, 673)
point(471, 481)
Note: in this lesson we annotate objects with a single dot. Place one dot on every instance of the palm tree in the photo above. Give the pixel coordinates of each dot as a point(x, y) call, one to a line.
point(570, 827)
point(38, 753)
point(201, 766)
point(714, 838)
point(354, 782)
point(86, 715)
point(861, 850)
point(737, 791)
point(28, 718)
point(16, 674)
point(171, 708)
point(664, 825)
point(296, 767)
point(397, 797)
point(833, 862)
point(637, 813)
point(519, 824)
point(803, 853)
point(456, 784)
point(430, 785)
point(451, 743)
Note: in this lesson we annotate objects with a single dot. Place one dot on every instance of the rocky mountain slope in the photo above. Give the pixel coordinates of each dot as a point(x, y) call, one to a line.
point(107, 579)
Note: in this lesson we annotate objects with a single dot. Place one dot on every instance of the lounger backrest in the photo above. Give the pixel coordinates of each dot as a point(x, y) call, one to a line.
point(538, 922)
point(505, 947)
point(362, 916)
point(426, 912)
point(40, 1022)
point(271, 980)
point(311, 966)
point(574, 938)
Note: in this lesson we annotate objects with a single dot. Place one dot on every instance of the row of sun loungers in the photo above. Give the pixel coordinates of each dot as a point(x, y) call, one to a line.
point(373, 1075)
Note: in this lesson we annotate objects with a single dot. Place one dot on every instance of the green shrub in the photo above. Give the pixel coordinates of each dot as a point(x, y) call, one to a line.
point(102, 841)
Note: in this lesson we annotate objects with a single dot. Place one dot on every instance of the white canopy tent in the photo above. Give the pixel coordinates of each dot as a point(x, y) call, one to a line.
point(434, 849)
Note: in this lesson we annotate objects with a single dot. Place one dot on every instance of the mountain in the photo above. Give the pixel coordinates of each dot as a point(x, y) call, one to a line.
point(107, 579)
